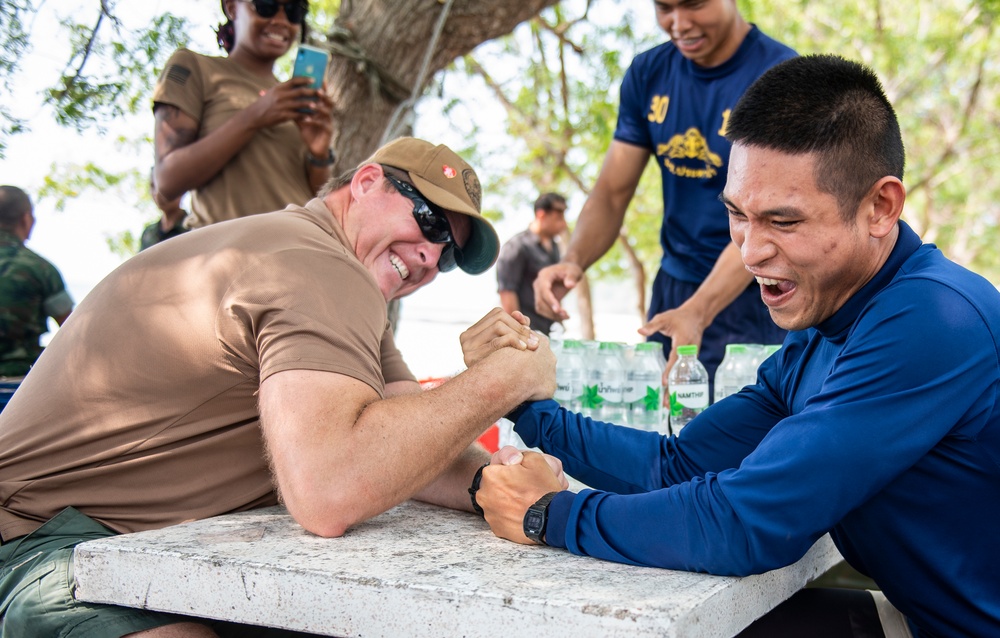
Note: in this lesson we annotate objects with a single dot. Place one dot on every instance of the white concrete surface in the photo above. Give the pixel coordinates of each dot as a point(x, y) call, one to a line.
point(417, 570)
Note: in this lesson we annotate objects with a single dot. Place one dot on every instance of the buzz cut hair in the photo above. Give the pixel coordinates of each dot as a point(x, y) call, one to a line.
point(830, 106)
point(548, 201)
point(14, 203)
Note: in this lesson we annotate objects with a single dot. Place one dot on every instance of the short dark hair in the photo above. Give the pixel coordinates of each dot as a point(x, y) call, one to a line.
point(14, 203)
point(339, 181)
point(830, 106)
point(548, 201)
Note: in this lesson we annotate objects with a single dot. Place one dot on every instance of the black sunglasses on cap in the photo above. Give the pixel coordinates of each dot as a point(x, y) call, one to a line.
point(295, 11)
point(433, 223)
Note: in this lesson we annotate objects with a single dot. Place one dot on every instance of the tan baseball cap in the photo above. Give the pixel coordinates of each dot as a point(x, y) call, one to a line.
point(447, 181)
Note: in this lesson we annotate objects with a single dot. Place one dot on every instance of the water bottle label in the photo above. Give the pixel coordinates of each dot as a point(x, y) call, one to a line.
point(564, 392)
point(650, 402)
point(610, 392)
point(631, 391)
point(590, 399)
point(689, 397)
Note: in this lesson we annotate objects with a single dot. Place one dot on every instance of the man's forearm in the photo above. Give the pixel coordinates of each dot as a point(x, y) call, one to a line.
point(451, 487)
point(341, 455)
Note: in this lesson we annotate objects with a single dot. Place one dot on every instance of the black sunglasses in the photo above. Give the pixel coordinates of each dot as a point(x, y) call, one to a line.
point(433, 223)
point(294, 11)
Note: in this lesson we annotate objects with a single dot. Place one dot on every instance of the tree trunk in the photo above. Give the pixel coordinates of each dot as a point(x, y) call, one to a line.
point(378, 49)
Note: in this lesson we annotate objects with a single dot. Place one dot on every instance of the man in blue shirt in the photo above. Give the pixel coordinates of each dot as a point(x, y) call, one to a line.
point(877, 422)
point(675, 104)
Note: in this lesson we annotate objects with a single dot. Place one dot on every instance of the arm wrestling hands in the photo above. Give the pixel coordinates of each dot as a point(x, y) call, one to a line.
point(341, 454)
point(514, 480)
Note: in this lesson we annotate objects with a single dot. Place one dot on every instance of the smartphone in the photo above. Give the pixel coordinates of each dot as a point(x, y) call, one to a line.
point(310, 62)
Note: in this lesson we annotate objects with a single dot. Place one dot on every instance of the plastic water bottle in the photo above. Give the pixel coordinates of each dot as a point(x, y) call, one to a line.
point(570, 369)
point(644, 387)
point(732, 373)
point(605, 380)
point(688, 382)
point(588, 393)
point(756, 356)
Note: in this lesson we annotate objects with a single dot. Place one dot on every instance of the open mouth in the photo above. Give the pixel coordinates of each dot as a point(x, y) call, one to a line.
point(280, 38)
point(773, 291)
point(400, 267)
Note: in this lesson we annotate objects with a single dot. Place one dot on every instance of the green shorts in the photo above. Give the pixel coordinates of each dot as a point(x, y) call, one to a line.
point(36, 590)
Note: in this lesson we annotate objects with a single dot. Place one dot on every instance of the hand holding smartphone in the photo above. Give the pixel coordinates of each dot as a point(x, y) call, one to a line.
point(310, 62)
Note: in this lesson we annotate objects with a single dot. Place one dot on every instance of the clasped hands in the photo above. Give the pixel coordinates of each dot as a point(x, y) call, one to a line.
point(515, 479)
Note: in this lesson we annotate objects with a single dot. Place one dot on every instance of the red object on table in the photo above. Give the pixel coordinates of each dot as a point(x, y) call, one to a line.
point(490, 439)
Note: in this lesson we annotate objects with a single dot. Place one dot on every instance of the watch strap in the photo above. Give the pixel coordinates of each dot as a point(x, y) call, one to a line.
point(536, 519)
point(321, 162)
point(475, 488)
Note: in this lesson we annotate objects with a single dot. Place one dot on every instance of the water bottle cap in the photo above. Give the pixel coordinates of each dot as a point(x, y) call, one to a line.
point(736, 348)
point(689, 350)
point(610, 345)
point(649, 346)
point(572, 343)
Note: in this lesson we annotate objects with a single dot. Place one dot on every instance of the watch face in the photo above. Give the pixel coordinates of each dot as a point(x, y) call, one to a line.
point(533, 521)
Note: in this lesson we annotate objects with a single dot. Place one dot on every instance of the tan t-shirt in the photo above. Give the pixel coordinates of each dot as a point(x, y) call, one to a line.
point(142, 411)
point(268, 173)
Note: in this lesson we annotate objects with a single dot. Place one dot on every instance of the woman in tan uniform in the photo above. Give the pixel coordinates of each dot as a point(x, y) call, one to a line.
point(229, 131)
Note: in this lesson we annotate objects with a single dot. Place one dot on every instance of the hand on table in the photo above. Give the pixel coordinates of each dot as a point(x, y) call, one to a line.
point(511, 484)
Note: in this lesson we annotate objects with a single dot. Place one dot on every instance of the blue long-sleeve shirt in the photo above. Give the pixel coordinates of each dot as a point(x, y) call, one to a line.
point(880, 426)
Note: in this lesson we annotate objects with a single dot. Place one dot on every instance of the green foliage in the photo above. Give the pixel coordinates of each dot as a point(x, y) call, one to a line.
point(13, 44)
point(937, 59)
point(938, 62)
point(90, 94)
point(559, 86)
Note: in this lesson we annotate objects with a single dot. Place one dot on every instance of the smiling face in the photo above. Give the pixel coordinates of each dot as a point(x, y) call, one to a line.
point(707, 32)
point(387, 239)
point(806, 258)
point(261, 38)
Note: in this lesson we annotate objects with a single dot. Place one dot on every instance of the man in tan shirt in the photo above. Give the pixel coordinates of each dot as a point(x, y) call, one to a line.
point(246, 362)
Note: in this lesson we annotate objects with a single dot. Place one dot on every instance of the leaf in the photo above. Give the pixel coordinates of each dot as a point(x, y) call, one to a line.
point(652, 399)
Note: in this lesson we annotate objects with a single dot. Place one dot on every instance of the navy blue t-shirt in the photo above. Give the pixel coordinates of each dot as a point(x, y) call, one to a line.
point(678, 110)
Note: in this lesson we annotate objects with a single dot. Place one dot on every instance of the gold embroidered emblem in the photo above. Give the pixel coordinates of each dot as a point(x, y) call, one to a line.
point(690, 146)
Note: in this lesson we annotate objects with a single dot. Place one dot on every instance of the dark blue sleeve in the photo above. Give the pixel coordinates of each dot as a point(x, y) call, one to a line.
point(900, 384)
point(632, 125)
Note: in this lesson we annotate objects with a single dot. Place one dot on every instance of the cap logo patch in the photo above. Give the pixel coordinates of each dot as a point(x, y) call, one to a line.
point(448, 171)
point(472, 187)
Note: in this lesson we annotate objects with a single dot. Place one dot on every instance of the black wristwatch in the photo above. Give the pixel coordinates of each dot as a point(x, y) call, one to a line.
point(537, 518)
point(475, 488)
point(321, 162)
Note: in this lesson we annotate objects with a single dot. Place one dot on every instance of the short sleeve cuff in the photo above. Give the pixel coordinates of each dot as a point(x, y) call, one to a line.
point(58, 305)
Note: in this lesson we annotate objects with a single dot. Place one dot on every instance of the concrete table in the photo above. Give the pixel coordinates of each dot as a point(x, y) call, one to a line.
point(417, 570)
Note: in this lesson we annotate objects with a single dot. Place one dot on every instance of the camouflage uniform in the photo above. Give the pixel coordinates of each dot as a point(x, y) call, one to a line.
point(31, 289)
point(154, 234)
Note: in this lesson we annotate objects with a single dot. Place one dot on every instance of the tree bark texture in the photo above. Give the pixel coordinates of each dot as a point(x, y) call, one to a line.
point(378, 48)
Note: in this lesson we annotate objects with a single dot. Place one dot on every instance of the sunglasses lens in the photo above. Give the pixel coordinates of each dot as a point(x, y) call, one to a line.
point(266, 8)
point(448, 260)
point(294, 11)
point(434, 226)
